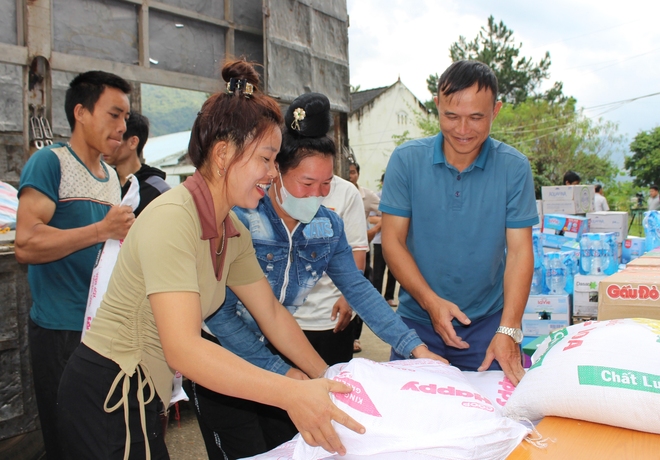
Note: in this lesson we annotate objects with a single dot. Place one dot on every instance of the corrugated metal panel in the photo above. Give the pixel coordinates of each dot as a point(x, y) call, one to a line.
point(8, 22)
point(250, 46)
point(249, 13)
point(102, 29)
point(11, 88)
point(307, 50)
point(196, 48)
point(18, 412)
point(212, 8)
point(60, 83)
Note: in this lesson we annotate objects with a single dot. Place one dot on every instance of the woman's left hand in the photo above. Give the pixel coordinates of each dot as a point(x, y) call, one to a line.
point(344, 310)
point(297, 374)
point(422, 351)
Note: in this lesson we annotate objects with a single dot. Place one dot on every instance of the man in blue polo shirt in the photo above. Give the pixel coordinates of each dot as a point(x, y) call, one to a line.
point(458, 211)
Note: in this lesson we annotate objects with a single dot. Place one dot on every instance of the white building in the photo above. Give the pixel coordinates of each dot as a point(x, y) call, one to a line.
point(168, 153)
point(377, 115)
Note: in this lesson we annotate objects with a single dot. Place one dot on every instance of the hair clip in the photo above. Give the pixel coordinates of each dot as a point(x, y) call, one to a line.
point(234, 84)
point(298, 115)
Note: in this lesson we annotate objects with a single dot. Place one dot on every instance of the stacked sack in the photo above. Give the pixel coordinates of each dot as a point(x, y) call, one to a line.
point(604, 372)
point(415, 409)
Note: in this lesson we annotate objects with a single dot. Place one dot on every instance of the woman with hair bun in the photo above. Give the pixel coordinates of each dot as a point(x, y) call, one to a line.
point(296, 241)
point(171, 274)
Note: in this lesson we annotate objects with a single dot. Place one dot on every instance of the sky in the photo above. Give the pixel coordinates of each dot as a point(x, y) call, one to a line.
point(603, 51)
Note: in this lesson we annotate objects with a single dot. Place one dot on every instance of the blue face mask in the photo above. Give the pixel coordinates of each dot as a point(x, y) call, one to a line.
point(301, 209)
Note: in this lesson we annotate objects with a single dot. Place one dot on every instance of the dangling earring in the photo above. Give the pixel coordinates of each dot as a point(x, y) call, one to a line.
point(221, 174)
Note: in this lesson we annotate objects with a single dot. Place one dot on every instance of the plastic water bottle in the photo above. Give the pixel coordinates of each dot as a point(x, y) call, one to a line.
point(537, 281)
point(652, 229)
point(537, 277)
point(611, 262)
point(569, 259)
point(555, 274)
point(597, 260)
point(586, 254)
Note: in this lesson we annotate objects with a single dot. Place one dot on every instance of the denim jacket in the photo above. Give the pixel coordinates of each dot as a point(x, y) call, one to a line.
point(293, 263)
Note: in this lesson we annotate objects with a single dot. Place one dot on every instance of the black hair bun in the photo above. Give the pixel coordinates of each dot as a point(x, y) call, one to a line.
point(309, 115)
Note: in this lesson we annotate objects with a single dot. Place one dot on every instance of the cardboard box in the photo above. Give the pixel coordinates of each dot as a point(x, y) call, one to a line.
point(585, 295)
point(559, 229)
point(609, 221)
point(560, 207)
point(581, 195)
point(632, 248)
point(546, 313)
point(644, 262)
point(631, 293)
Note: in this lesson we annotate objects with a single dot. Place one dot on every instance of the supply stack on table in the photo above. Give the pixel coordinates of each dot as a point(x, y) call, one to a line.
point(565, 286)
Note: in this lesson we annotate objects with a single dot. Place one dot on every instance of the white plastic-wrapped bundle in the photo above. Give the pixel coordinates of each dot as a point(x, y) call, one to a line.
point(418, 409)
point(604, 372)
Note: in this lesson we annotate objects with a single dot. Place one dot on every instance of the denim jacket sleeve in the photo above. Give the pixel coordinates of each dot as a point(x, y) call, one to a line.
point(368, 303)
point(234, 335)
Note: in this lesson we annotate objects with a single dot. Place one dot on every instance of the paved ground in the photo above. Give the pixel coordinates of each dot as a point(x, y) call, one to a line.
point(184, 442)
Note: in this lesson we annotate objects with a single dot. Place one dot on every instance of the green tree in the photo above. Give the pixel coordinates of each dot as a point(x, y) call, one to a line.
point(644, 164)
point(557, 137)
point(170, 110)
point(518, 77)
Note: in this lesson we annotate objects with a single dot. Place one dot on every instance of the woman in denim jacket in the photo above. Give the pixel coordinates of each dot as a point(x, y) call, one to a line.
point(296, 241)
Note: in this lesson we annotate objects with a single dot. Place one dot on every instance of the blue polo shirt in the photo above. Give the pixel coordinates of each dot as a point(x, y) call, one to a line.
point(458, 220)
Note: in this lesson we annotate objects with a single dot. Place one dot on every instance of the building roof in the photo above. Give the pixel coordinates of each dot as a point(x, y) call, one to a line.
point(167, 149)
point(361, 98)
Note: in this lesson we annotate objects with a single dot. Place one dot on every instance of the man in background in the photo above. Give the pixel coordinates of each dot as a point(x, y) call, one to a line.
point(126, 160)
point(571, 178)
point(68, 206)
point(600, 202)
point(654, 200)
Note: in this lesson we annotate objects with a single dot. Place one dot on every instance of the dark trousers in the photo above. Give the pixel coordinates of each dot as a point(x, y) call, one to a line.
point(49, 351)
point(378, 274)
point(89, 432)
point(333, 348)
point(235, 428)
point(478, 334)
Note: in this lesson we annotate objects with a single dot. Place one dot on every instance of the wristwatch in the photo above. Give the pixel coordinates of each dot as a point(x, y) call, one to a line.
point(513, 332)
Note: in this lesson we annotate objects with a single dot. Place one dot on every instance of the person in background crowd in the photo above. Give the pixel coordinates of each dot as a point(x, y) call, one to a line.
point(378, 271)
point(571, 178)
point(166, 282)
point(126, 160)
point(458, 210)
point(370, 201)
point(654, 200)
point(600, 202)
point(296, 241)
point(68, 206)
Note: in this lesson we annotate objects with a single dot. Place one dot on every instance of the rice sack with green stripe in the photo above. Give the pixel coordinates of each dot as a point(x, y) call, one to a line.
point(600, 371)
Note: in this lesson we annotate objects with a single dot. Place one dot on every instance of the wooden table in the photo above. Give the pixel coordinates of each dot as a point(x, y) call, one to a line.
point(577, 440)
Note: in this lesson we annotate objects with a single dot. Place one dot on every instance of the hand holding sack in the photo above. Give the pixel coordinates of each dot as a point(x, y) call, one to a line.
point(106, 261)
